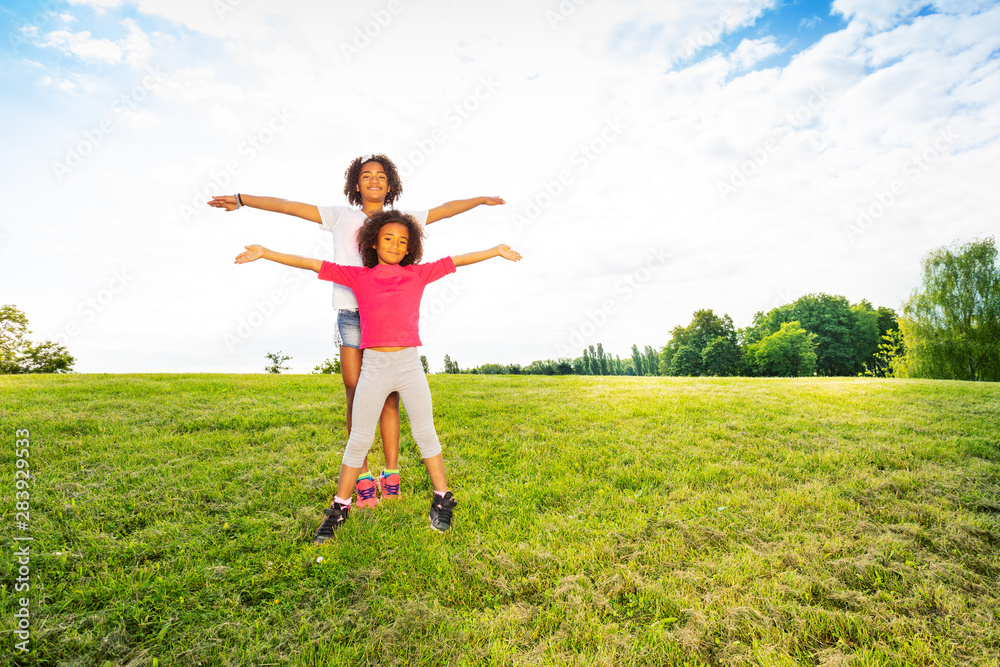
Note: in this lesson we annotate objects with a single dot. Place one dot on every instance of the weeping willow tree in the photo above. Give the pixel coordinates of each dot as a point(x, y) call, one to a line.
point(951, 325)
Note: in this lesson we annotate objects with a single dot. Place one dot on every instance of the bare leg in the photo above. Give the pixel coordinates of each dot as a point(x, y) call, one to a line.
point(435, 468)
point(348, 478)
point(388, 426)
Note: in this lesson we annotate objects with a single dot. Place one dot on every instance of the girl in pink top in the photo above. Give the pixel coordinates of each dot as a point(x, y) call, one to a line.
point(388, 289)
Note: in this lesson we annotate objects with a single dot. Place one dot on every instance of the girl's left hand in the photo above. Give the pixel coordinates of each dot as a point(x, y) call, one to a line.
point(504, 251)
point(494, 201)
point(252, 252)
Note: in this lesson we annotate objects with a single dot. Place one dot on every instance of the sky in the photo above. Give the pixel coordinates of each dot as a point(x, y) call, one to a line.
point(656, 158)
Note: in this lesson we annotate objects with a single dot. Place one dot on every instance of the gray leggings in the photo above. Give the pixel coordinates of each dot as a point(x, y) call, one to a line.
point(381, 374)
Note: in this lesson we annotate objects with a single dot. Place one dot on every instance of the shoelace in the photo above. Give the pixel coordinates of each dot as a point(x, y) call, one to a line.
point(333, 519)
point(389, 489)
point(444, 512)
point(366, 494)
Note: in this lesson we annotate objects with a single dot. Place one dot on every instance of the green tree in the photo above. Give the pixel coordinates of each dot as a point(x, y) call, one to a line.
point(789, 352)
point(328, 367)
point(846, 336)
point(47, 357)
point(638, 366)
point(539, 367)
point(686, 362)
point(705, 327)
point(451, 366)
point(886, 361)
point(951, 324)
point(13, 338)
point(277, 362)
point(720, 357)
point(423, 362)
point(602, 360)
point(489, 369)
point(651, 361)
point(19, 355)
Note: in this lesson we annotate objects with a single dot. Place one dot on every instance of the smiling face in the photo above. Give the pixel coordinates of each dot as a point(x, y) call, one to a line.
point(393, 238)
point(373, 184)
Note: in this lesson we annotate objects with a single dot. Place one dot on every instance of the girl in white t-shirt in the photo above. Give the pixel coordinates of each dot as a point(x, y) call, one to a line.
point(370, 183)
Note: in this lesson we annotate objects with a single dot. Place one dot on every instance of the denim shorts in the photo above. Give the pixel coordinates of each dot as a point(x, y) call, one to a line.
point(347, 332)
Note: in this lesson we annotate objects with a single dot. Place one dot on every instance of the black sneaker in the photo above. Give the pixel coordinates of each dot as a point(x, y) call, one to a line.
point(335, 515)
point(441, 508)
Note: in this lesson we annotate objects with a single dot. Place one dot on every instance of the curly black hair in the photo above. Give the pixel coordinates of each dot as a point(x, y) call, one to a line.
point(353, 172)
point(369, 231)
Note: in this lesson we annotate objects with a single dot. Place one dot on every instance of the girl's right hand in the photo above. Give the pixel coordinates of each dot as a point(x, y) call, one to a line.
point(252, 253)
point(504, 251)
point(227, 202)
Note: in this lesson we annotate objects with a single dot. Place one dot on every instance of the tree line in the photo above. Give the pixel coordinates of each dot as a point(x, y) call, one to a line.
point(949, 328)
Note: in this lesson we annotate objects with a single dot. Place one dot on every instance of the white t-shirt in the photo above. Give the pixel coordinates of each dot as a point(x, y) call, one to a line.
point(344, 222)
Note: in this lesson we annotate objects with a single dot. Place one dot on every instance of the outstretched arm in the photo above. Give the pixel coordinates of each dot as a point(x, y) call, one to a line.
point(255, 252)
point(460, 206)
point(502, 250)
point(298, 209)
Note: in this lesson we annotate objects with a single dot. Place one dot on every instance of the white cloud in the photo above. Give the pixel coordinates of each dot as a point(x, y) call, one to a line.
point(750, 52)
point(136, 44)
point(83, 46)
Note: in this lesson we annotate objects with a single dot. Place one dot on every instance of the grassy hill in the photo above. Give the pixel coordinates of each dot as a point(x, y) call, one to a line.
point(602, 521)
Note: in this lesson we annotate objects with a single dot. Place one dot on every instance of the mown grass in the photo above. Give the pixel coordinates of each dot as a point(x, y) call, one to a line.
point(602, 521)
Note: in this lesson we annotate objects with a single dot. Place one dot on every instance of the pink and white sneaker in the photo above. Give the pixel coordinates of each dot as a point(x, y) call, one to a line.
point(366, 493)
point(388, 485)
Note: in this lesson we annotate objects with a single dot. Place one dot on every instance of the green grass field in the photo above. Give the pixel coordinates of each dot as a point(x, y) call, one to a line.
point(601, 521)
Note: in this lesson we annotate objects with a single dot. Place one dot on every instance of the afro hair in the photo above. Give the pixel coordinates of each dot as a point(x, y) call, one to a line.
point(354, 172)
point(369, 231)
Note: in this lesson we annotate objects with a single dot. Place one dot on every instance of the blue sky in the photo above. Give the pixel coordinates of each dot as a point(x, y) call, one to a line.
point(656, 158)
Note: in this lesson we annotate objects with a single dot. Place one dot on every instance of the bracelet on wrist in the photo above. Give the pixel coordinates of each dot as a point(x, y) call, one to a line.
point(239, 202)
